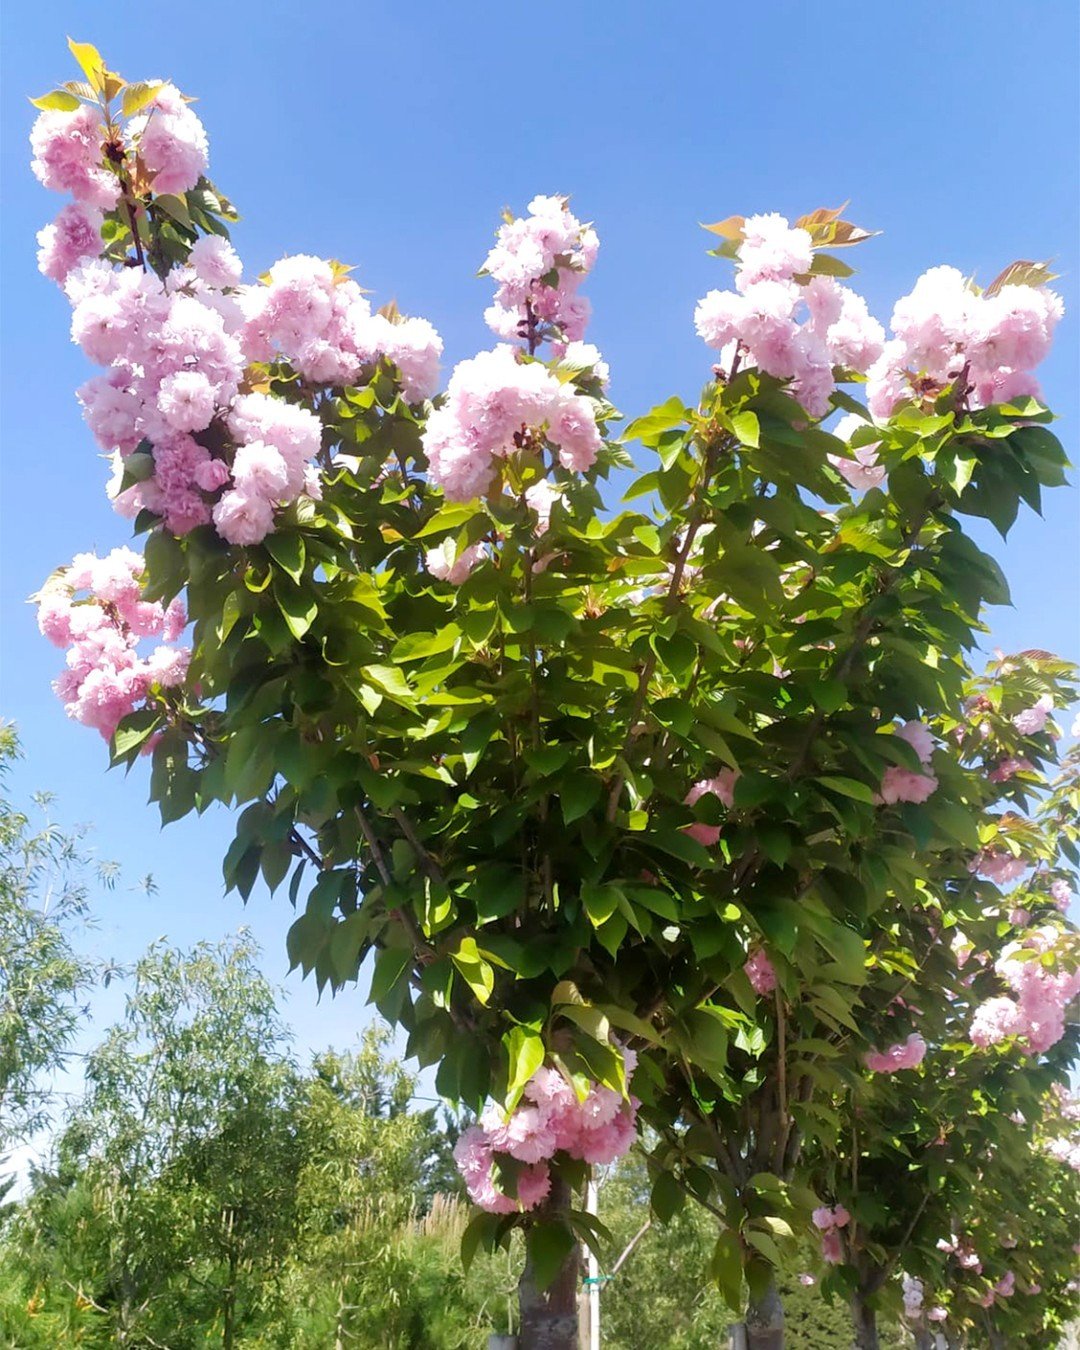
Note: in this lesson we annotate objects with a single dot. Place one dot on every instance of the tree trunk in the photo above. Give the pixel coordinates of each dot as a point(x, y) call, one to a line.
point(763, 1328)
point(864, 1321)
point(924, 1338)
point(549, 1317)
point(738, 1337)
point(228, 1328)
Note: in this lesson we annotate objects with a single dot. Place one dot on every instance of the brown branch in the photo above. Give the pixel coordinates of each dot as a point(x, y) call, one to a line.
point(426, 859)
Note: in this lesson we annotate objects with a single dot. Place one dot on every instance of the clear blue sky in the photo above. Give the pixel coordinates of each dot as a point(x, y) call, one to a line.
point(390, 136)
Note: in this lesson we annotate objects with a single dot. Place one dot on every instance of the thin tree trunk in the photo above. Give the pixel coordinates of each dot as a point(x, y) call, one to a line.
point(228, 1331)
point(924, 1338)
point(864, 1321)
point(763, 1328)
point(738, 1337)
point(549, 1317)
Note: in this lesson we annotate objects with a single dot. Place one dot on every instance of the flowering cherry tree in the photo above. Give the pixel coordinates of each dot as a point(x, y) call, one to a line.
point(641, 815)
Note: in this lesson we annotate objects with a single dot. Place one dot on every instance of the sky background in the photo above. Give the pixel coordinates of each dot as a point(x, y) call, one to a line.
point(391, 136)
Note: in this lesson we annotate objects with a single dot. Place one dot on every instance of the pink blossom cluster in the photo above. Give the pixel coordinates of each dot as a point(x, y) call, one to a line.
point(1009, 768)
point(998, 865)
point(1041, 992)
point(69, 156)
point(966, 1255)
point(106, 677)
point(171, 142)
point(497, 404)
point(900, 784)
point(759, 971)
point(167, 139)
point(1061, 894)
point(722, 787)
point(318, 319)
point(176, 362)
point(913, 1293)
point(539, 261)
point(944, 328)
point(829, 1223)
point(790, 325)
point(907, 1054)
point(1032, 720)
point(73, 236)
point(549, 1119)
point(445, 563)
point(1065, 1151)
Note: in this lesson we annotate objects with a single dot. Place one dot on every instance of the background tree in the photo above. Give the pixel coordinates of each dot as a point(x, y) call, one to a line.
point(177, 1169)
point(45, 878)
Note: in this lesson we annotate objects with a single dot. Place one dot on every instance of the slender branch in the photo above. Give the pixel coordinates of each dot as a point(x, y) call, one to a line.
point(301, 845)
point(374, 845)
point(891, 1264)
point(426, 860)
point(631, 1245)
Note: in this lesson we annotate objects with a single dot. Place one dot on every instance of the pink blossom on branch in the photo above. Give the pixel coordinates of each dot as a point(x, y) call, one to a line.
point(907, 1054)
point(106, 677)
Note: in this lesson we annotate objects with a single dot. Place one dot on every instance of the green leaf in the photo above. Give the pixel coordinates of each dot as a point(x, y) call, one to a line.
point(134, 731)
point(667, 1197)
point(137, 96)
point(726, 1269)
point(391, 965)
point(548, 1244)
point(59, 100)
point(480, 1234)
point(650, 428)
point(848, 787)
point(578, 795)
point(600, 902)
point(287, 550)
point(298, 607)
point(525, 1052)
point(474, 970)
point(746, 426)
point(89, 59)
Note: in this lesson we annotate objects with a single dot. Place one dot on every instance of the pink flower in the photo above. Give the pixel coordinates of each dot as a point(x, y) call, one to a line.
point(106, 678)
point(186, 400)
point(759, 971)
point(75, 234)
point(918, 736)
point(722, 787)
point(171, 142)
point(1061, 894)
point(1009, 768)
point(495, 405)
point(445, 564)
point(772, 250)
point(241, 518)
point(832, 1248)
point(902, 785)
point(1033, 719)
point(538, 262)
point(907, 1054)
point(68, 156)
point(215, 262)
point(998, 866)
point(807, 1279)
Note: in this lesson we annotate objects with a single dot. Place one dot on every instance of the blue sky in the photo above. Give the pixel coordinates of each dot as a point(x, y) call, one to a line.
point(390, 136)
